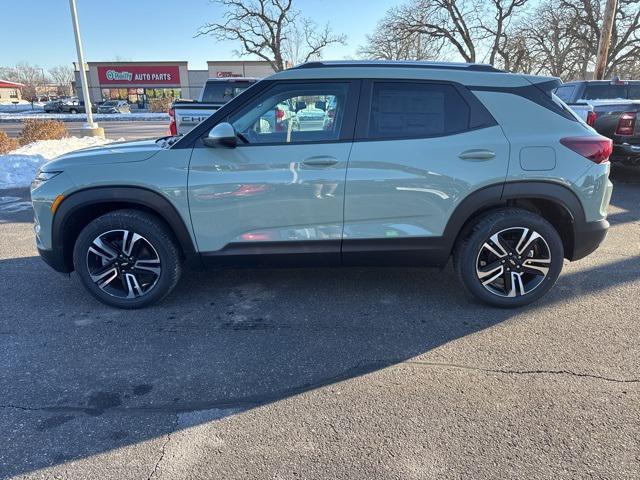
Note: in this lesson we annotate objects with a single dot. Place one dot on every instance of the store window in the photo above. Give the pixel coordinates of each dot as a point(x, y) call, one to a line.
point(139, 96)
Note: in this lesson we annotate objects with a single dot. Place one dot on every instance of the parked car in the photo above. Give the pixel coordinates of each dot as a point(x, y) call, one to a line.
point(73, 105)
point(114, 106)
point(611, 108)
point(583, 91)
point(54, 106)
point(618, 120)
point(186, 114)
point(421, 162)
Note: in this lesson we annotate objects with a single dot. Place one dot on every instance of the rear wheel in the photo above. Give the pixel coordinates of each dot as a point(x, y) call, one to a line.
point(509, 258)
point(127, 259)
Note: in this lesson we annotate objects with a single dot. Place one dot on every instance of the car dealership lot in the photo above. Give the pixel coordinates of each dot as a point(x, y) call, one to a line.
point(352, 373)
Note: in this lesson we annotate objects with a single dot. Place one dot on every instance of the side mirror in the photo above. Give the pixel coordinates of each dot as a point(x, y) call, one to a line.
point(222, 135)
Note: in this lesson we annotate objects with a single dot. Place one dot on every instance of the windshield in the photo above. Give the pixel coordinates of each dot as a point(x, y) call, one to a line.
point(110, 104)
point(223, 91)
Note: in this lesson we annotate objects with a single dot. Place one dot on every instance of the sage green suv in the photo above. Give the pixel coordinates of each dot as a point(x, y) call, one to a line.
point(340, 163)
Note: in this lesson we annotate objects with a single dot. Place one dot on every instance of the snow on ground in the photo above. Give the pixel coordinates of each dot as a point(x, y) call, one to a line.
point(82, 117)
point(22, 107)
point(17, 168)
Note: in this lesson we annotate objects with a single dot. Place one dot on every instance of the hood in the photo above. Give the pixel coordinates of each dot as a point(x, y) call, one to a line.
point(121, 152)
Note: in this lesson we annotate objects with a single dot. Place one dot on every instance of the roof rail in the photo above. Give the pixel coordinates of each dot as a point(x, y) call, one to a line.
point(476, 67)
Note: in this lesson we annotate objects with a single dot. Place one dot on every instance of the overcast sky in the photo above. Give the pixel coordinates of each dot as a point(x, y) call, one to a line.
point(139, 30)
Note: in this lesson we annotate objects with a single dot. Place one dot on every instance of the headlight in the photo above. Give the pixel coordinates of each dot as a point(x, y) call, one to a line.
point(42, 177)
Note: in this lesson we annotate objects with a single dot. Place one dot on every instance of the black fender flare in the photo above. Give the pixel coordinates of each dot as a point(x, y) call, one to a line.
point(127, 196)
point(498, 194)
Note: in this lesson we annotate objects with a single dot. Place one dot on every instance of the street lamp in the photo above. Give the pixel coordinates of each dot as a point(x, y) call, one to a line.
point(90, 128)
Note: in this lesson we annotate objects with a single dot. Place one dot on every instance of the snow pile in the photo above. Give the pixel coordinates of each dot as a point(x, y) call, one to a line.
point(18, 167)
point(21, 107)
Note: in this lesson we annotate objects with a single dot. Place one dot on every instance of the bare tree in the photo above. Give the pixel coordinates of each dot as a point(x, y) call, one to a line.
point(62, 75)
point(270, 29)
point(624, 51)
point(500, 13)
point(31, 76)
point(473, 30)
point(390, 41)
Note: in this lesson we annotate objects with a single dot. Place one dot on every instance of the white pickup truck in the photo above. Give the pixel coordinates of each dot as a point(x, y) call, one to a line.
point(186, 114)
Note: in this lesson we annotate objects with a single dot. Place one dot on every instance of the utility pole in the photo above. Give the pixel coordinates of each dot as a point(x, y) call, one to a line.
point(605, 39)
point(90, 129)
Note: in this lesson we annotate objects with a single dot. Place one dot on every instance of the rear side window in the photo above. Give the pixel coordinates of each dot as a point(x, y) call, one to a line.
point(634, 92)
point(416, 110)
point(605, 91)
point(565, 92)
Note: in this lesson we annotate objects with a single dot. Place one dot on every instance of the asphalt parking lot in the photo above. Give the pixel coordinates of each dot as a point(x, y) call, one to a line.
point(341, 374)
point(133, 130)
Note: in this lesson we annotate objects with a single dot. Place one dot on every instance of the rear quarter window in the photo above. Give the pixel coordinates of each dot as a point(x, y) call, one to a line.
point(410, 110)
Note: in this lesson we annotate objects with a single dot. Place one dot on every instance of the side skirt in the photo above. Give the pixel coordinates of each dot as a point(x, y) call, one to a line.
point(412, 252)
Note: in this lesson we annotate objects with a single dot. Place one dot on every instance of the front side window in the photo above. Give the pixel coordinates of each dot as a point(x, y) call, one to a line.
point(416, 110)
point(294, 113)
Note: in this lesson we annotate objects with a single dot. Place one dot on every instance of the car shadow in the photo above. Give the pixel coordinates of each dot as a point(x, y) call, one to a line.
point(80, 379)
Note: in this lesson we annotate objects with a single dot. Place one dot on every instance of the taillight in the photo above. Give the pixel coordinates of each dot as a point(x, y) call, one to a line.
point(591, 118)
point(597, 149)
point(626, 123)
point(279, 114)
point(173, 129)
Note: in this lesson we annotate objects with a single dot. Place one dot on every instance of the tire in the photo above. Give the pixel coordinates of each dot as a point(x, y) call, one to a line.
point(129, 270)
point(519, 269)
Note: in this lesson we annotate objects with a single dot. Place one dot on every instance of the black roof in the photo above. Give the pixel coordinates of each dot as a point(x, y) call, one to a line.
point(476, 67)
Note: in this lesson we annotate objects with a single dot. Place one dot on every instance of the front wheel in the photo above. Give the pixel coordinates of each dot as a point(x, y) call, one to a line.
point(127, 259)
point(509, 258)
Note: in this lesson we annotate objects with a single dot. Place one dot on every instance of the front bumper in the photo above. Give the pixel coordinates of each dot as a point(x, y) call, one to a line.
point(626, 153)
point(588, 238)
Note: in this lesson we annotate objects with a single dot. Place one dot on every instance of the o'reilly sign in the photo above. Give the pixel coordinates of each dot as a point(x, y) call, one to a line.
point(139, 75)
point(115, 75)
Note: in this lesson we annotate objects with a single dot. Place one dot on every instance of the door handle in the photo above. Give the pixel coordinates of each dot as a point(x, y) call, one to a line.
point(320, 161)
point(477, 154)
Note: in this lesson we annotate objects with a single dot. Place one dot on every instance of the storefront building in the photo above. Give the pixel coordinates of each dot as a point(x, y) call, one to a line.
point(140, 82)
point(10, 91)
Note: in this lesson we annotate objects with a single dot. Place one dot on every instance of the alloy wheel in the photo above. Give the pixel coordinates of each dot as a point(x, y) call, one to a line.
point(123, 264)
point(513, 262)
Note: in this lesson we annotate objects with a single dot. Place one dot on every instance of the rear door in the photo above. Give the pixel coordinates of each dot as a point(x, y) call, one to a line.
point(420, 149)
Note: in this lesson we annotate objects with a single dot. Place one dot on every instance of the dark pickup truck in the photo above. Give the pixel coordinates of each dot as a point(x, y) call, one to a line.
point(186, 114)
point(612, 108)
point(618, 120)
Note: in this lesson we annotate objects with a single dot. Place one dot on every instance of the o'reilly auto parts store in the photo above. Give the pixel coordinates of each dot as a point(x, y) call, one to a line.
point(140, 82)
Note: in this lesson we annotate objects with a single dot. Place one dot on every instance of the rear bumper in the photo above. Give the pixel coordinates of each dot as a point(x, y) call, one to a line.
point(55, 259)
point(588, 238)
point(626, 153)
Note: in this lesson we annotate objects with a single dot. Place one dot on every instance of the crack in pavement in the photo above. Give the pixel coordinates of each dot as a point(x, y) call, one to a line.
point(360, 368)
point(524, 372)
point(163, 450)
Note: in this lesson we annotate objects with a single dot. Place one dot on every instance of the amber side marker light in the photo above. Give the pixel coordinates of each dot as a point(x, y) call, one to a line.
point(56, 203)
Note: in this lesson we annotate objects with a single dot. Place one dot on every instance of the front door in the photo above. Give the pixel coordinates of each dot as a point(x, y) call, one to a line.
point(281, 190)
